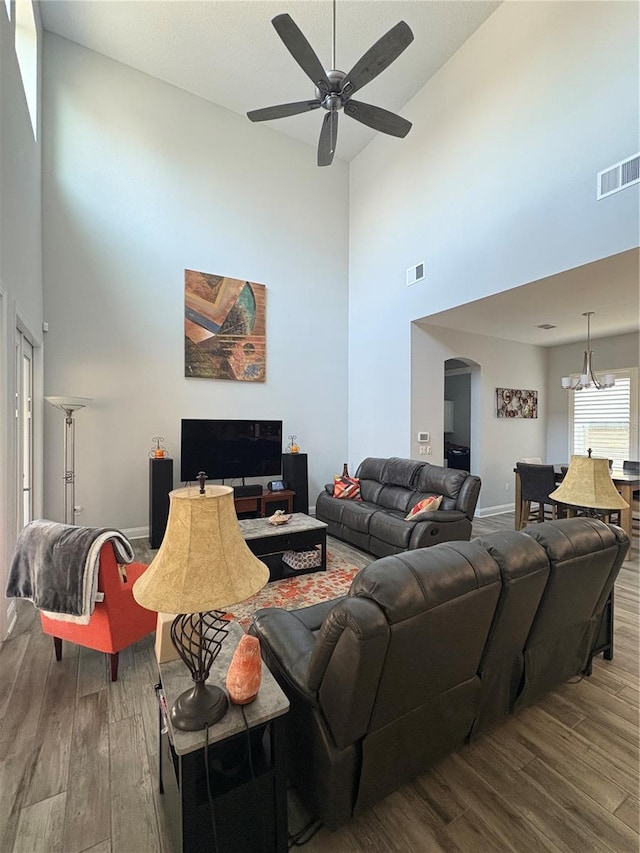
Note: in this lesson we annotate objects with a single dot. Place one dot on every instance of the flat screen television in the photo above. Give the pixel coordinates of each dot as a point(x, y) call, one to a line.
point(227, 449)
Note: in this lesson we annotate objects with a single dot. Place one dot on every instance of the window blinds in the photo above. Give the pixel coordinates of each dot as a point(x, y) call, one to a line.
point(601, 421)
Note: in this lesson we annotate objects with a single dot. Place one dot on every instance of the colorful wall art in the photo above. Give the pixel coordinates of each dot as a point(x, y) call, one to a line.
point(516, 403)
point(224, 327)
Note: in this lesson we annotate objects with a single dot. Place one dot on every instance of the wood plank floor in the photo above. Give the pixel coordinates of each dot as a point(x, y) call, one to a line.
point(78, 757)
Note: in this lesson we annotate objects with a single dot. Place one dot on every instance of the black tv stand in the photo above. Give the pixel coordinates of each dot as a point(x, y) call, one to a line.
point(247, 491)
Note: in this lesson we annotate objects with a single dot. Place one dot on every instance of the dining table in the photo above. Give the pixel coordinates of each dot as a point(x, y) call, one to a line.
point(626, 482)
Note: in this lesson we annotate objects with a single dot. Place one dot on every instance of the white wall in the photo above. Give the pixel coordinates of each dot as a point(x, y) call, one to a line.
point(20, 281)
point(142, 180)
point(613, 353)
point(494, 187)
point(496, 443)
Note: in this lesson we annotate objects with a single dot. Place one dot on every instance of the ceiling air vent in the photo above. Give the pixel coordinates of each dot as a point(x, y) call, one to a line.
point(546, 326)
point(415, 273)
point(619, 177)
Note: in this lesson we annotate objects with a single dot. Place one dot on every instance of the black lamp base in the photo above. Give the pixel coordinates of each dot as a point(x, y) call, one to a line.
point(201, 705)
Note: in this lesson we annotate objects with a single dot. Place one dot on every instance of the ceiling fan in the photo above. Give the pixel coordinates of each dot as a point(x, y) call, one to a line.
point(333, 89)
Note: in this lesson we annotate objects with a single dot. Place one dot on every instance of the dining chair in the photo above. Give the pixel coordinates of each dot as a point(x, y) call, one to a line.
point(536, 483)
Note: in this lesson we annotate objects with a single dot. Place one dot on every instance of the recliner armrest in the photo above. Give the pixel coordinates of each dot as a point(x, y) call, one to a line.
point(314, 614)
point(442, 516)
point(287, 644)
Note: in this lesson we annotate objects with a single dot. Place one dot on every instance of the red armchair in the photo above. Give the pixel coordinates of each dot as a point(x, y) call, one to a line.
point(115, 622)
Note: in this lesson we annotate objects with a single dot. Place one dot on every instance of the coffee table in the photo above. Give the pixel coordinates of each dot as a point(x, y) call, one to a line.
point(270, 541)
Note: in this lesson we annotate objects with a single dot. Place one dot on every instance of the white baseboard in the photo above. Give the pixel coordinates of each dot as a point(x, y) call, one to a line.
point(136, 532)
point(495, 510)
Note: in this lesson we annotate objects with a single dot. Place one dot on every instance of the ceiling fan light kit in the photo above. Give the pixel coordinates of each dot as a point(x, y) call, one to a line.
point(334, 89)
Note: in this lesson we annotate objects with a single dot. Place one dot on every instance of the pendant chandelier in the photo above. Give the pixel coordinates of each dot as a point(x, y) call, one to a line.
point(588, 378)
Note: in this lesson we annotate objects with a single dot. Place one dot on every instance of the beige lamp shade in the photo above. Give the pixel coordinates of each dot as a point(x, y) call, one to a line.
point(588, 483)
point(203, 562)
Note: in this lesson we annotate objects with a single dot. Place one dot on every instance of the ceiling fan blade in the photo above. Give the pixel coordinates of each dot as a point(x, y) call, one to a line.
point(282, 110)
point(328, 139)
point(301, 50)
point(377, 58)
point(378, 119)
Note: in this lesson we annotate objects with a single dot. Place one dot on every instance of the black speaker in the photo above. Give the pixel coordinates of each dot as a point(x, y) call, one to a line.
point(160, 484)
point(294, 473)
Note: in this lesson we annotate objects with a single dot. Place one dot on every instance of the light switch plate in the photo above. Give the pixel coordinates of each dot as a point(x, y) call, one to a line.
point(423, 436)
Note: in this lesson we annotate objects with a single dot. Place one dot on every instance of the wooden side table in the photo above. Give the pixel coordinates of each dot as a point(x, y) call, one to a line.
point(283, 496)
point(246, 790)
point(259, 504)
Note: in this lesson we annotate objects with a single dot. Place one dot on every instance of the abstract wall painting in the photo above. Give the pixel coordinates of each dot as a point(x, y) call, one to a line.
point(224, 327)
point(516, 403)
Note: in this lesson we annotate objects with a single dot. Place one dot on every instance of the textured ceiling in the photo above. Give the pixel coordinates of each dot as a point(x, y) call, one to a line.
point(228, 52)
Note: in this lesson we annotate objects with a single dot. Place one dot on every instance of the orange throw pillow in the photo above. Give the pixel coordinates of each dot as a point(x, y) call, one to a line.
point(347, 487)
point(424, 506)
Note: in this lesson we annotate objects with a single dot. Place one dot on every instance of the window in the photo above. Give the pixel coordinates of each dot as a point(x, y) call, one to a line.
point(27, 53)
point(606, 420)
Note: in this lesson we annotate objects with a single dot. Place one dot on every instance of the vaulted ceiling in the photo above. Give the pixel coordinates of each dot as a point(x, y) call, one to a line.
point(227, 52)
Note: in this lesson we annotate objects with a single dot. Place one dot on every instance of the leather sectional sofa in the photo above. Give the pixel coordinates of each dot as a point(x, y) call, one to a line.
point(389, 489)
point(431, 647)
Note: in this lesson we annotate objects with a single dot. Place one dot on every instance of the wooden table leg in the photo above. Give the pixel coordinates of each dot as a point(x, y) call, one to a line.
point(518, 500)
point(626, 519)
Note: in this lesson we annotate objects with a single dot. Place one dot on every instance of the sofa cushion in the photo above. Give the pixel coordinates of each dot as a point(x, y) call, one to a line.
point(357, 514)
point(369, 473)
point(392, 528)
point(419, 581)
point(401, 472)
point(370, 490)
point(447, 482)
point(371, 469)
point(347, 488)
point(394, 498)
point(388, 482)
point(419, 510)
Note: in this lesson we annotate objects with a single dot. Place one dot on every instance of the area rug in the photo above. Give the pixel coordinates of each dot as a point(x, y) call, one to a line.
point(299, 591)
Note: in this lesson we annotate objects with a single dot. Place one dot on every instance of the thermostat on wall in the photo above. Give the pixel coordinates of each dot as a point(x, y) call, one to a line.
point(423, 436)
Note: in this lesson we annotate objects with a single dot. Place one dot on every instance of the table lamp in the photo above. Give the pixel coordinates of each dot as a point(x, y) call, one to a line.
point(588, 484)
point(203, 565)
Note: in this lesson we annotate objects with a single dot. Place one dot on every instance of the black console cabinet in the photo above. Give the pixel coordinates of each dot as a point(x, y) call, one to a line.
point(160, 484)
point(294, 473)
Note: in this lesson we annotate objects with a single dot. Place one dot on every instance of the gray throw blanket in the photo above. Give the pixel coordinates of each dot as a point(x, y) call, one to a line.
point(56, 567)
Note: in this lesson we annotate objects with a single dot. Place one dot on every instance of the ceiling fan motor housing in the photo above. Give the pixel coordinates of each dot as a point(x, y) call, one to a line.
point(333, 99)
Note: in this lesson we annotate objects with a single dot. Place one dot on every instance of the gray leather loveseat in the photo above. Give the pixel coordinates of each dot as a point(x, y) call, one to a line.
point(390, 488)
point(430, 647)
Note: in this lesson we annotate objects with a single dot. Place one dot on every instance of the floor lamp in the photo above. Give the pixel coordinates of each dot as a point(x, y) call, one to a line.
point(69, 405)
